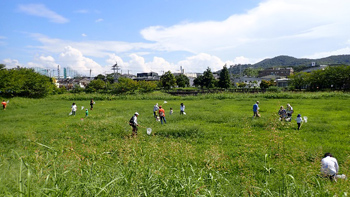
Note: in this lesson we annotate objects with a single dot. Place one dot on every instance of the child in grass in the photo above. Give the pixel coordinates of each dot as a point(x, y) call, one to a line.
point(86, 113)
point(171, 110)
point(4, 104)
point(182, 109)
point(299, 121)
point(74, 108)
point(256, 110)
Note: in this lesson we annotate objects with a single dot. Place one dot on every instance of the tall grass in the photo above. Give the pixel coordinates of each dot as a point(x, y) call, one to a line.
point(217, 149)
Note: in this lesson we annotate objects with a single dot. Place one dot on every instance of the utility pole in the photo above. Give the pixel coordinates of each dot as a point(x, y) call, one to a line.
point(115, 67)
point(58, 71)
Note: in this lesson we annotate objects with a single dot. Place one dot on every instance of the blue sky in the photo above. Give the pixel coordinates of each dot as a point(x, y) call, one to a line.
point(162, 35)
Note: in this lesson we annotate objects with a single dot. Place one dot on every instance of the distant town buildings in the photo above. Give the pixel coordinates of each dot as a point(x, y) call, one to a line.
point(278, 72)
point(151, 76)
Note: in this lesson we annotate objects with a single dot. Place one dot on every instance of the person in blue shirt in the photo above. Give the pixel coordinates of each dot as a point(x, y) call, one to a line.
point(256, 109)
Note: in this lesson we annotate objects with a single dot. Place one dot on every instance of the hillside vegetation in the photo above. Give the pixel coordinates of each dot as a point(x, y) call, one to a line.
point(288, 61)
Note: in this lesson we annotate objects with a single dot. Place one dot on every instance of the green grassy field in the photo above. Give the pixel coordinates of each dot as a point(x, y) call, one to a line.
point(216, 149)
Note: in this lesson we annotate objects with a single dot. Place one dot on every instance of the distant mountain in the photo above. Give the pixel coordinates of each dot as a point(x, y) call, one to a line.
point(297, 63)
point(283, 61)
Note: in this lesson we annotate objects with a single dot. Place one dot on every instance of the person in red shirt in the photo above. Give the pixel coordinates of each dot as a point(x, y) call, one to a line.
point(161, 113)
point(4, 104)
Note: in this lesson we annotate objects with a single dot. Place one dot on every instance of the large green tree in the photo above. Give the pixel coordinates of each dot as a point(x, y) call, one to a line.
point(208, 80)
point(224, 80)
point(182, 80)
point(124, 85)
point(299, 80)
point(96, 85)
point(168, 80)
point(25, 82)
point(198, 81)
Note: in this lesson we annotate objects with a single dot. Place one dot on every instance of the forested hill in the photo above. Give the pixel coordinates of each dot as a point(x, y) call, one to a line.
point(287, 61)
point(292, 61)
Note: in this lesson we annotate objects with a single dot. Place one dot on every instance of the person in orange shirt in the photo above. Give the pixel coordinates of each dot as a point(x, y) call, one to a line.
point(4, 104)
point(161, 113)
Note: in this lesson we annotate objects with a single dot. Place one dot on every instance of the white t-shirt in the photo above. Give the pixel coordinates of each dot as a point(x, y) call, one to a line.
point(182, 107)
point(299, 120)
point(155, 108)
point(135, 119)
point(74, 108)
point(329, 166)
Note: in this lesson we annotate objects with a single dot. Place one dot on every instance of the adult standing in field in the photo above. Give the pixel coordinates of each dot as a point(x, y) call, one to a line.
point(182, 109)
point(256, 109)
point(92, 104)
point(161, 113)
point(289, 110)
point(155, 109)
point(4, 104)
point(74, 109)
point(330, 167)
point(133, 123)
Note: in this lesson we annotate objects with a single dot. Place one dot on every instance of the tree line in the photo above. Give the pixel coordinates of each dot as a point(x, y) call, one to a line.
point(25, 82)
point(331, 78)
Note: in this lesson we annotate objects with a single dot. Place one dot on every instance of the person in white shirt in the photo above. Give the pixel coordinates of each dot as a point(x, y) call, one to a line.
point(182, 108)
point(299, 120)
point(289, 110)
point(74, 109)
point(330, 167)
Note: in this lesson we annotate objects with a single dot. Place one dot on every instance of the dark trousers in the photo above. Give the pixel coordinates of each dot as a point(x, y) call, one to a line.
point(162, 118)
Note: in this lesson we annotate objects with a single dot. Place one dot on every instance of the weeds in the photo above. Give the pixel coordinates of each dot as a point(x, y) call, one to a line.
point(217, 149)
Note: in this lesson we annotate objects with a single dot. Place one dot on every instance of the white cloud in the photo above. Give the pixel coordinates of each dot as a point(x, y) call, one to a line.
point(11, 63)
point(82, 11)
point(42, 11)
point(343, 51)
point(98, 20)
point(84, 35)
point(47, 62)
point(200, 62)
point(74, 59)
point(274, 27)
point(89, 48)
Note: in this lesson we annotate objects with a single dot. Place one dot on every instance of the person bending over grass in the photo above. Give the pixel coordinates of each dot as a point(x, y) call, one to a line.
point(282, 113)
point(4, 104)
point(330, 167)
